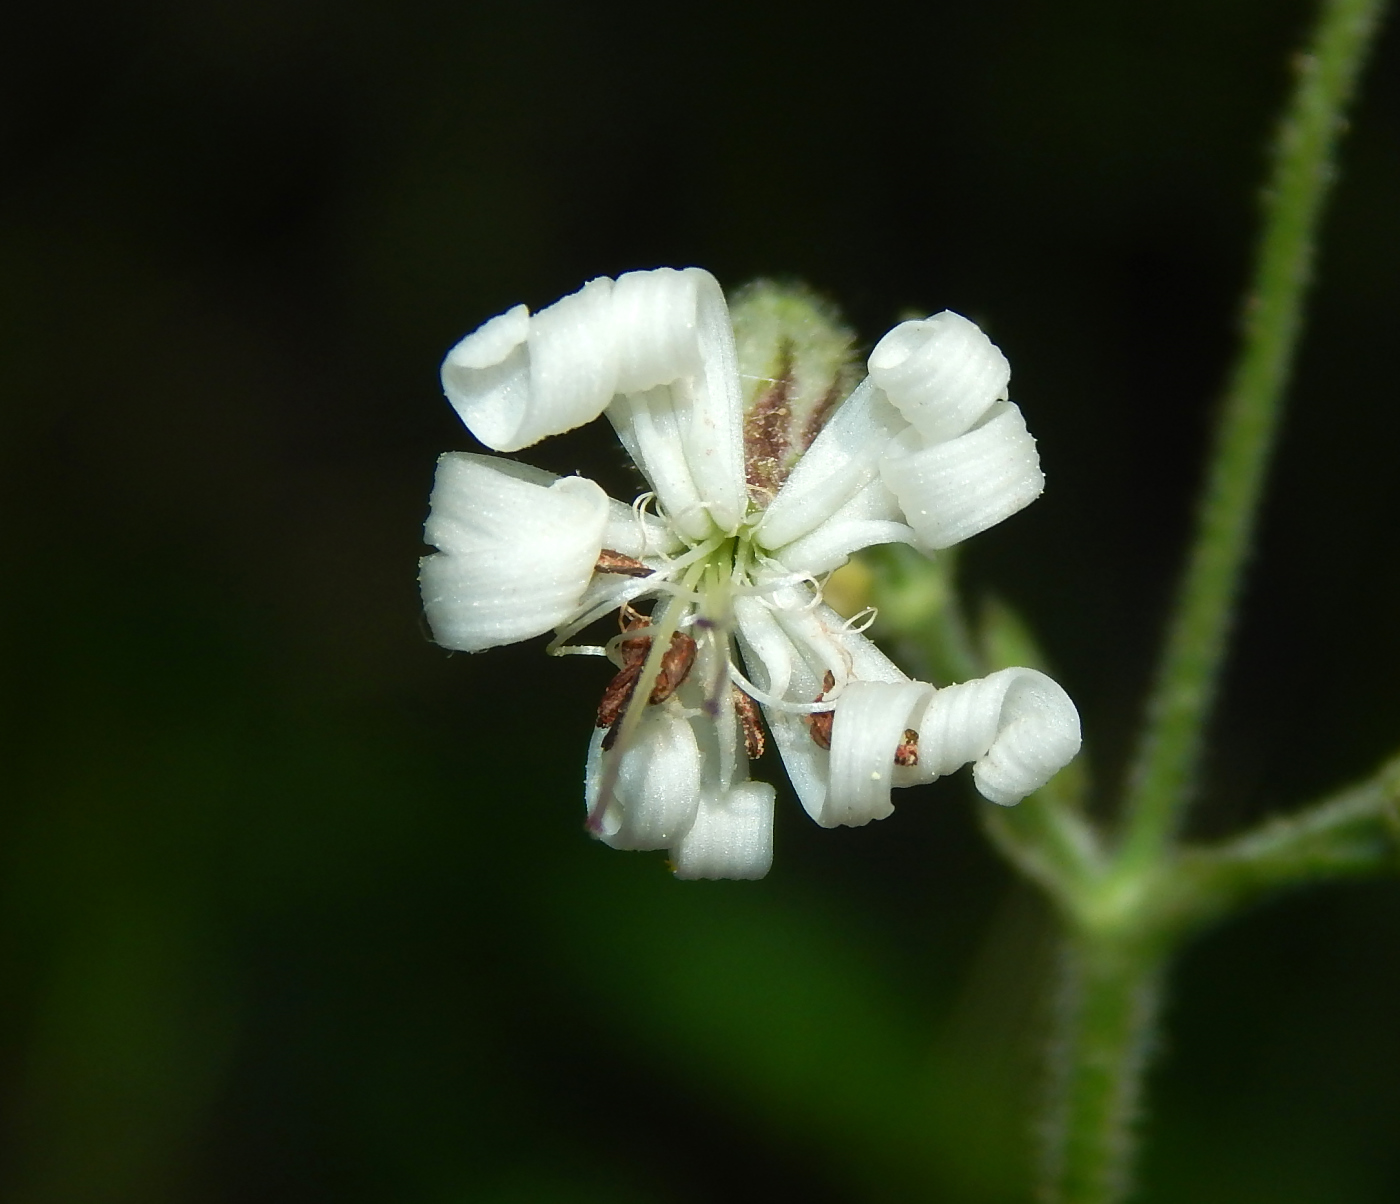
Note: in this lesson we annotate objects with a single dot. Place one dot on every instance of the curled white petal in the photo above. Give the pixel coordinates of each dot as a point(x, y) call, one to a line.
point(657, 791)
point(819, 641)
point(713, 424)
point(732, 836)
point(1017, 725)
point(841, 460)
point(649, 427)
point(871, 719)
point(941, 373)
point(871, 516)
point(679, 413)
point(519, 378)
point(866, 660)
point(768, 650)
point(950, 491)
point(517, 550)
point(657, 327)
point(775, 663)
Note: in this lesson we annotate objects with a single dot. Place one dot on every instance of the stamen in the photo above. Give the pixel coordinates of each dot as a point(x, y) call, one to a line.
point(634, 645)
point(868, 615)
point(632, 713)
point(627, 590)
point(907, 754)
point(579, 650)
point(639, 510)
point(820, 706)
point(615, 698)
point(610, 561)
point(820, 725)
point(747, 711)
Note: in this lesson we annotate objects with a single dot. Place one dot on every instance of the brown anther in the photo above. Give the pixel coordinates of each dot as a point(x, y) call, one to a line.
point(907, 754)
point(675, 667)
point(819, 723)
point(625, 566)
point(676, 664)
point(752, 726)
point(615, 699)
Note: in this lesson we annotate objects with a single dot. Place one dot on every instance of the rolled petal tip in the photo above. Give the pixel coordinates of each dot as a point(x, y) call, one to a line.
point(520, 377)
point(732, 836)
point(941, 373)
point(658, 784)
point(517, 548)
point(953, 490)
point(1017, 726)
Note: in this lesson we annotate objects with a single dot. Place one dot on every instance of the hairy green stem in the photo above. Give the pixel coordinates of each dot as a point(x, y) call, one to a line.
point(1125, 919)
point(1303, 168)
point(1104, 1025)
point(1353, 834)
point(1119, 951)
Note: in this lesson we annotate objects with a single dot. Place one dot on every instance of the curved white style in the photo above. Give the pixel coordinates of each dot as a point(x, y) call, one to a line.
point(926, 451)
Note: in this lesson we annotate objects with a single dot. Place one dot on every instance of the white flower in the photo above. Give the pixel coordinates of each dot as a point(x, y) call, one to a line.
point(752, 500)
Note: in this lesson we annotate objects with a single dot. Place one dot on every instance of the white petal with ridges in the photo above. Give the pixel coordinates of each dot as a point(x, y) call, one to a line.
point(656, 315)
point(872, 516)
point(648, 427)
point(519, 378)
point(713, 423)
point(842, 459)
point(517, 550)
point(871, 718)
point(941, 373)
point(732, 836)
point(573, 363)
point(1017, 725)
point(680, 409)
point(658, 783)
point(950, 491)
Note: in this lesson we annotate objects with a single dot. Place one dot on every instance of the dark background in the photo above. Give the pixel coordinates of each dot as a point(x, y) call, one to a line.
point(297, 908)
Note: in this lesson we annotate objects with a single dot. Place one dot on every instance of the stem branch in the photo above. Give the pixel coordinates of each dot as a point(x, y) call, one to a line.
point(1303, 169)
point(1353, 834)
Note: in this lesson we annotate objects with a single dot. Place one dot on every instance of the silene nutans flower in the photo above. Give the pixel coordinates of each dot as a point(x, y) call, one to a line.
point(766, 472)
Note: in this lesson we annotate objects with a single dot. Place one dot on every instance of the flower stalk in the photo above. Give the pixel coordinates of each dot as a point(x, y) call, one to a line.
point(1126, 900)
point(1106, 1011)
point(1304, 167)
point(1156, 892)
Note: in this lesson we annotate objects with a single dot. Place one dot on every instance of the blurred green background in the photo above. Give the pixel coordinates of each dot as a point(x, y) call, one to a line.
point(297, 907)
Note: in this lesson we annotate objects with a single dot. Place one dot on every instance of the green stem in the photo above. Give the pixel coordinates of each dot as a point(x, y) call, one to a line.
point(1303, 168)
point(1120, 948)
point(1353, 834)
point(1105, 1019)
